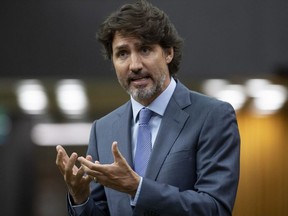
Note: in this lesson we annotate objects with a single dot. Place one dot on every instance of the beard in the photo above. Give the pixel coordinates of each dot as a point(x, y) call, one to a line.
point(143, 93)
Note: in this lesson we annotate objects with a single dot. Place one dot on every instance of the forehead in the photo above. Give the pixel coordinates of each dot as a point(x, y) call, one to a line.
point(120, 40)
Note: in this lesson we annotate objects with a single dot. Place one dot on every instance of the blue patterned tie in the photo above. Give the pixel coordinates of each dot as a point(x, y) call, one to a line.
point(144, 143)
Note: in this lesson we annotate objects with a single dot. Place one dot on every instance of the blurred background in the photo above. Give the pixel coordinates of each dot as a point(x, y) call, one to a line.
point(54, 83)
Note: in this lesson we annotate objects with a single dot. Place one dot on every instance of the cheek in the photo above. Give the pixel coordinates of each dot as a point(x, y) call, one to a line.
point(120, 69)
point(161, 68)
point(120, 74)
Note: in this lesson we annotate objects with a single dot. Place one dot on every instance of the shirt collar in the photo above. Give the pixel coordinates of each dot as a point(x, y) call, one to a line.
point(159, 104)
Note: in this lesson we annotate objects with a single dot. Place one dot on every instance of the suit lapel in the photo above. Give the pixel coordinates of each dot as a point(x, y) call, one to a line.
point(172, 124)
point(122, 131)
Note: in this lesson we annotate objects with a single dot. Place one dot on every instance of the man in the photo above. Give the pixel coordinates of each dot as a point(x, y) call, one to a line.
point(193, 167)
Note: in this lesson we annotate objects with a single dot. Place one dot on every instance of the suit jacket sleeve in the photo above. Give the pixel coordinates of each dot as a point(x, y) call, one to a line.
point(92, 207)
point(216, 157)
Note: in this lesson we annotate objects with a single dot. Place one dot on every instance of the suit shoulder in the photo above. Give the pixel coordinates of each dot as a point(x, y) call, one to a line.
point(185, 97)
point(111, 116)
point(205, 100)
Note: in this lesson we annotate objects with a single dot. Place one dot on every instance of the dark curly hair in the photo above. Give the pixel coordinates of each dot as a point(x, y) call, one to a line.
point(146, 22)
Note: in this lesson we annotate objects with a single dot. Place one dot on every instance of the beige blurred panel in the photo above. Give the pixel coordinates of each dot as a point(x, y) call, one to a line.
point(263, 188)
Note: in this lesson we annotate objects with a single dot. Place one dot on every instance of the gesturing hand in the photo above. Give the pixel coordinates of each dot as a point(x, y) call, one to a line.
point(75, 178)
point(118, 175)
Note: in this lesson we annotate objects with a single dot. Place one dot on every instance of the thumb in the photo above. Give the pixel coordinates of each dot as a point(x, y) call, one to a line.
point(116, 153)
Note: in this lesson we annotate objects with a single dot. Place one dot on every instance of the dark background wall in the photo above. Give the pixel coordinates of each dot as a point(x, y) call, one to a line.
point(53, 39)
point(222, 38)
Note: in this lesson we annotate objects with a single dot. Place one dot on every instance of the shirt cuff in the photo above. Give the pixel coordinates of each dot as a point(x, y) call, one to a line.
point(133, 200)
point(77, 208)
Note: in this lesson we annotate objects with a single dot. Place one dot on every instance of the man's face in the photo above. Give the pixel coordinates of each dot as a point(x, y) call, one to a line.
point(142, 69)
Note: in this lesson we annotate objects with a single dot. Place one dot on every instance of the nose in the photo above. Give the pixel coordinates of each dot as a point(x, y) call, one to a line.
point(135, 63)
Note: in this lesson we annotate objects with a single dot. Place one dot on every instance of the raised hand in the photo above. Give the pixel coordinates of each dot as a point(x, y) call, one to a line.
point(118, 175)
point(76, 179)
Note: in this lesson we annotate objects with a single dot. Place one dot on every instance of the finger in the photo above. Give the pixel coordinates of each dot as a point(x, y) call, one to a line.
point(80, 173)
point(71, 165)
point(92, 168)
point(86, 162)
point(59, 147)
point(89, 157)
point(91, 172)
point(61, 158)
point(116, 153)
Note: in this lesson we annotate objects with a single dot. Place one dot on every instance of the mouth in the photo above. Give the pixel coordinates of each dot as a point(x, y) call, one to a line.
point(140, 81)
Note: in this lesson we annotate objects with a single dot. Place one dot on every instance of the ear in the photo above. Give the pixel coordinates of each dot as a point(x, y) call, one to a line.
point(169, 53)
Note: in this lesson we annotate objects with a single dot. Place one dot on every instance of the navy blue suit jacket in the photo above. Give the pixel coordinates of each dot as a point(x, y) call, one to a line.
point(194, 166)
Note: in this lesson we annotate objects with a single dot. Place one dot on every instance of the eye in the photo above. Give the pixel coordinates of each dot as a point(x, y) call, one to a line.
point(146, 50)
point(122, 54)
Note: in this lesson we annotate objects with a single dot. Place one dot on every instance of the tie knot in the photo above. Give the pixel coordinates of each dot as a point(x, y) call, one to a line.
point(144, 116)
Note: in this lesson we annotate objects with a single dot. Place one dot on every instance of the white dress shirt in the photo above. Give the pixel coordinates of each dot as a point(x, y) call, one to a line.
point(158, 106)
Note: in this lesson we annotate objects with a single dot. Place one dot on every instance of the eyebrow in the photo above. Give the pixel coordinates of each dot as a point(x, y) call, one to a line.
point(121, 47)
point(125, 46)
